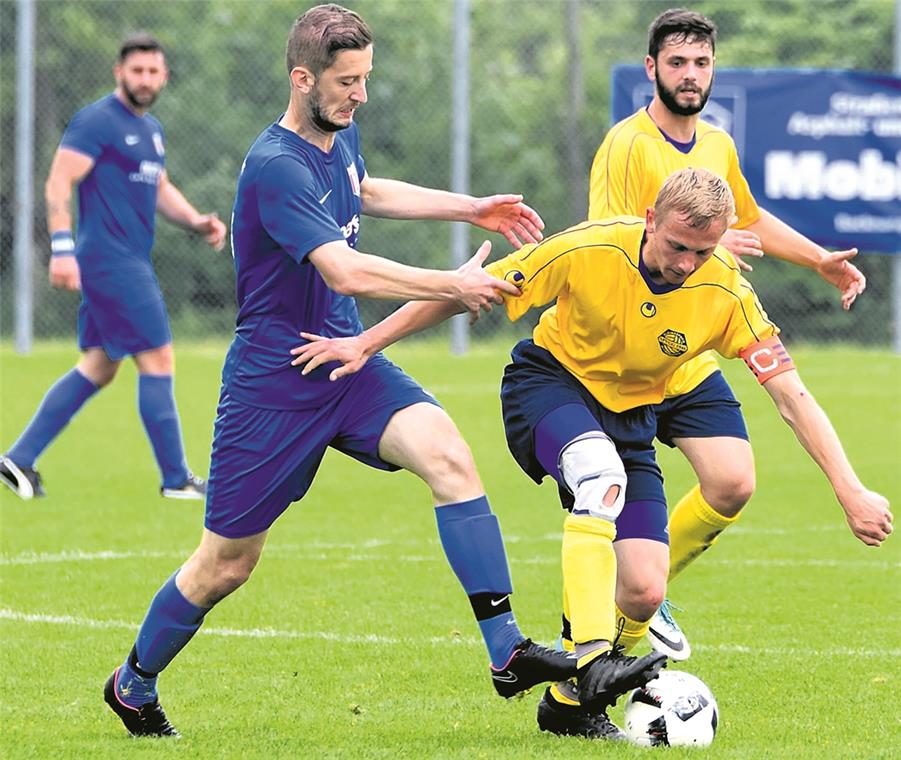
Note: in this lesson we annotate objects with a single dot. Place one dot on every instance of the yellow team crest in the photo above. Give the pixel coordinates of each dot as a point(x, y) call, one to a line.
point(672, 343)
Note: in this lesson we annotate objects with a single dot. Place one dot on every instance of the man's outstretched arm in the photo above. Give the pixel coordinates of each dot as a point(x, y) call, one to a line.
point(506, 214)
point(782, 241)
point(867, 512)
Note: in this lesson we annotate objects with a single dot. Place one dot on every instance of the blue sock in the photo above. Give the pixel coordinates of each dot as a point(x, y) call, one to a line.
point(169, 624)
point(156, 402)
point(471, 537)
point(132, 688)
point(65, 397)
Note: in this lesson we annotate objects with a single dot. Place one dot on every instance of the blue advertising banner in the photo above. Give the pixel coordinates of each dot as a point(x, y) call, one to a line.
point(821, 149)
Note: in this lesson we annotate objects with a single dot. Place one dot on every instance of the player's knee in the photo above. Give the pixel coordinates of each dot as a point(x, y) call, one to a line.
point(729, 491)
point(640, 600)
point(230, 575)
point(100, 374)
point(595, 475)
point(452, 466)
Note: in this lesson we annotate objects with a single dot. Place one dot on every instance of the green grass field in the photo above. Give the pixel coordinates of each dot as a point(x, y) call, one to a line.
point(353, 639)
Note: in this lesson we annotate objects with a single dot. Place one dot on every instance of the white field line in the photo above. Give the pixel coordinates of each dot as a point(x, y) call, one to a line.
point(273, 633)
point(352, 553)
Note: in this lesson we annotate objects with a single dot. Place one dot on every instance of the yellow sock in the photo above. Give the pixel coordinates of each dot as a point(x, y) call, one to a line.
point(693, 527)
point(589, 577)
point(564, 693)
point(633, 630)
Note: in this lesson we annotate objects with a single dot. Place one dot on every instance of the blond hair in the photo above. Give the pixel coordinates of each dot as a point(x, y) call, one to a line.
point(698, 195)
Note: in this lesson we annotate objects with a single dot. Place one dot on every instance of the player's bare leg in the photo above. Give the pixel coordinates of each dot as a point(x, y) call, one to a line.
point(156, 402)
point(424, 440)
point(218, 567)
point(725, 470)
point(60, 404)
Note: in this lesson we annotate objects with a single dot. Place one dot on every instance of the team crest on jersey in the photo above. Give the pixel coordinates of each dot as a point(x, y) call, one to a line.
point(354, 179)
point(648, 309)
point(158, 144)
point(672, 343)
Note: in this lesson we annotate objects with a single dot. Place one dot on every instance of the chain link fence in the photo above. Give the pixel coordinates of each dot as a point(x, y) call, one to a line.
point(540, 74)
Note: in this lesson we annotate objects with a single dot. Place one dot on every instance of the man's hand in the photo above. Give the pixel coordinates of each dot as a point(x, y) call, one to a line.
point(351, 352)
point(212, 229)
point(477, 289)
point(511, 217)
point(868, 515)
point(64, 272)
point(742, 243)
point(835, 268)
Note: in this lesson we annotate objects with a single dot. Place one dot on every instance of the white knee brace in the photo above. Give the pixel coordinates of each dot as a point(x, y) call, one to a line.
point(591, 467)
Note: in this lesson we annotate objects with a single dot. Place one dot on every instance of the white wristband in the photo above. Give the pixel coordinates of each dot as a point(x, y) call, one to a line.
point(62, 244)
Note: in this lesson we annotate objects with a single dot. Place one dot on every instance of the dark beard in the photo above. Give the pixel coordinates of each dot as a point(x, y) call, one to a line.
point(135, 103)
point(668, 98)
point(318, 118)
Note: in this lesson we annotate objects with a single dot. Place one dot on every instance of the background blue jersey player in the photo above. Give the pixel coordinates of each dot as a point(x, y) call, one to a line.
point(115, 152)
point(300, 194)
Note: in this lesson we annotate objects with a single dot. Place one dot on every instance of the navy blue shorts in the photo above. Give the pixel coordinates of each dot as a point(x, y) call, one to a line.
point(536, 385)
point(707, 411)
point(264, 459)
point(122, 313)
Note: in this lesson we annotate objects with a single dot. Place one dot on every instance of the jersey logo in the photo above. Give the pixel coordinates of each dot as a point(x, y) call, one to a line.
point(354, 179)
point(672, 343)
point(132, 139)
point(324, 198)
point(515, 277)
point(351, 228)
point(648, 309)
point(148, 173)
point(158, 144)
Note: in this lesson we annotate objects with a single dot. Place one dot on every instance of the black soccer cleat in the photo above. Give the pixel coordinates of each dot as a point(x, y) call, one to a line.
point(25, 482)
point(531, 664)
point(192, 488)
point(146, 720)
point(612, 674)
point(572, 720)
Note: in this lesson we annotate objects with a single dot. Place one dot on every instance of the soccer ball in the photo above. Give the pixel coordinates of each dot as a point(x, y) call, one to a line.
point(676, 709)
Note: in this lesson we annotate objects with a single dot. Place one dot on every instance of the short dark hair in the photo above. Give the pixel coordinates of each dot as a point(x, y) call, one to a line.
point(321, 33)
point(140, 42)
point(681, 25)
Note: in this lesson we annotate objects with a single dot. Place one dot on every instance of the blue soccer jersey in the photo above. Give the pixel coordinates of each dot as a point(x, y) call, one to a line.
point(117, 199)
point(291, 198)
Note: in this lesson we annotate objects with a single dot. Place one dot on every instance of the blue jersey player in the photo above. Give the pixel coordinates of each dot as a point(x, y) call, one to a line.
point(300, 194)
point(115, 152)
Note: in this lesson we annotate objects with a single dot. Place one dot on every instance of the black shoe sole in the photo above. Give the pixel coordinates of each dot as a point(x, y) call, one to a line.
point(130, 717)
point(627, 682)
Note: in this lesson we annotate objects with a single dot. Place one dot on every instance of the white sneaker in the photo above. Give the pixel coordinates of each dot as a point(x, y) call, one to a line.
point(666, 636)
point(192, 488)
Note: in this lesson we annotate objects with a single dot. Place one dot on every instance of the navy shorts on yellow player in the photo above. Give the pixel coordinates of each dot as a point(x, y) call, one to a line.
point(536, 388)
point(122, 312)
point(263, 459)
point(707, 411)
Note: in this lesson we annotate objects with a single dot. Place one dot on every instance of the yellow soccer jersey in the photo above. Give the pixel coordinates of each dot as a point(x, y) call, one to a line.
point(620, 334)
point(631, 166)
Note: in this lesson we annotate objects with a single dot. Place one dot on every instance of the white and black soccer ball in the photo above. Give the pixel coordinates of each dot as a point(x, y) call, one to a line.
point(676, 709)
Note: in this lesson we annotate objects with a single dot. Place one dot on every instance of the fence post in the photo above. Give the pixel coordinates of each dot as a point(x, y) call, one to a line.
point(24, 225)
point(896, 259)
point(460, 156)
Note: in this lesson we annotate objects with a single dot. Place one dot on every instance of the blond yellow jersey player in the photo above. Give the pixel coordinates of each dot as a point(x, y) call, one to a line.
point(700, 414)
point(633, 300)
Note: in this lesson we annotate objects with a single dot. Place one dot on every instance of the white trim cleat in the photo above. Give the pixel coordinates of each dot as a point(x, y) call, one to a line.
point(24, 482)
point(665, 635)
point(192, 488)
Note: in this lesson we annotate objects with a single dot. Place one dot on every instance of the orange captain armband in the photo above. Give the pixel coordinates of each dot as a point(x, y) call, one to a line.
point(767, 358)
